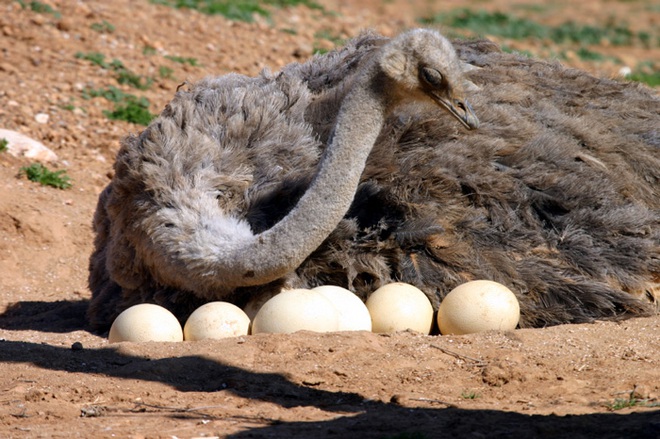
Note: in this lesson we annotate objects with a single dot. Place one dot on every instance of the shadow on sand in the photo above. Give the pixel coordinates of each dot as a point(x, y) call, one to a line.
point(360, 418)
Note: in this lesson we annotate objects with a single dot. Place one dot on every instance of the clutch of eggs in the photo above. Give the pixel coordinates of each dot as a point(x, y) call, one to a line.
point(471, 307)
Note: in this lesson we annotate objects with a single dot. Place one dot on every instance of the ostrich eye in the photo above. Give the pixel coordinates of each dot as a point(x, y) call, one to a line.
point(432, 77)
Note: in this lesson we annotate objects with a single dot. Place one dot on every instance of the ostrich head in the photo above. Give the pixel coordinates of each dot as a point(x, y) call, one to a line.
point(423, 64)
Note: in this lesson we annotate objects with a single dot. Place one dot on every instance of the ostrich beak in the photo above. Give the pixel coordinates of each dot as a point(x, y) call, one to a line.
point(461, 110)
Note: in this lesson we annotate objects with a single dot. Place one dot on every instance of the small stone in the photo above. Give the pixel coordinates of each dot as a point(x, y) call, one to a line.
point(41, 117)
point(7, 67)
point(39, 20)
point(625, 71)
point(20, 145)
point(77, 346)
point(303, 51)
point(65, 25)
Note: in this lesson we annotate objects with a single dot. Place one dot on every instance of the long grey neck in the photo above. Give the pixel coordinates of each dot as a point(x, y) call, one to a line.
point(282, 248)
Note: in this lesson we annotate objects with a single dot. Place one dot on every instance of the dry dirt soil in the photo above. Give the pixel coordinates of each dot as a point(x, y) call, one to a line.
point(57, 379)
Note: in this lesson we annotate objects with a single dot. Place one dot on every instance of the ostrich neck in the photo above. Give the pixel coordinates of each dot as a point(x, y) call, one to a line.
point(282, 248)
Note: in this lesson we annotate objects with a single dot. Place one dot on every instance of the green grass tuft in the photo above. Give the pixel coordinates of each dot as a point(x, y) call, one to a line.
point(651, 79)
point(489, 23)
point(483, 23)
point(128, 107)
point(3, 144)
point(148, 50)
point(133, 110)
point(93, 57)
point(469, 394)
point(589, 55)
point(123, 75)
point(240, 10)
point(183, 60)
point(103, 27)
point(113, 94)
point(165, 72)
point(40, 8)
point(40, 174)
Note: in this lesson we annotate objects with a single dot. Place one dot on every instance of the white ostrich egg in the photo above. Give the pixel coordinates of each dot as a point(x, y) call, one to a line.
point(399, 306)
point(256, 302)
point(296, 310)
point(216, 320)
point(476, 306)
point(145, 322)
point(352, 312)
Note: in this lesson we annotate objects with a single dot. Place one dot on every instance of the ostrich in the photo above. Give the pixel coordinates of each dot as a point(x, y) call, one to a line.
point(343, 170)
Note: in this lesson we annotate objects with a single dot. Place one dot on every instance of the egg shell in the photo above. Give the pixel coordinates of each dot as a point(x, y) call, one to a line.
point(216, 320)
point(352, 312)
point(145, 322)
point(256, 302)
point(476, 306)
point(296, 310)
point(399, 306)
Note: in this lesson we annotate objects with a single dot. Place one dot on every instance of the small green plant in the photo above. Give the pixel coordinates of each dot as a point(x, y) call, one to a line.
point(646, 73)
point(575, 33)
point(589, 55)
point(183, 60)
point(469, 394)
point(148, 50)
point(103, 27)
point(241, 10)
point(651, 79)
point(93, 57)
point(509, 26)
point(113, 94)
point(631, 401)
point(128, 107)
point(489, 23)
point(4, 144)
point(165, 72)
point(133, 110)
point(40, 174)
point(123, 75)
point(40, 8)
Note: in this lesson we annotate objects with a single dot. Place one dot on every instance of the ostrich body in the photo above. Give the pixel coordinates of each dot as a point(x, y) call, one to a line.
point(344, 171)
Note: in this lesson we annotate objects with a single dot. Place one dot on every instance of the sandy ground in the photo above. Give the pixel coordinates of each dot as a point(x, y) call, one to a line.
point(599, 380)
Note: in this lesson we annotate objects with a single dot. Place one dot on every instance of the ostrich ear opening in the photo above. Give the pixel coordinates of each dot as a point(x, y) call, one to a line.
point(394, 63)
point(467, 67)
point(470, 86)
